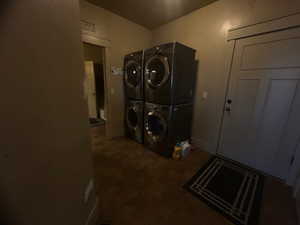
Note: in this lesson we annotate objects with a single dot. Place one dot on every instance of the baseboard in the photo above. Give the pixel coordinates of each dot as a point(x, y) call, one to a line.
point(93, 215)
point(199, 143)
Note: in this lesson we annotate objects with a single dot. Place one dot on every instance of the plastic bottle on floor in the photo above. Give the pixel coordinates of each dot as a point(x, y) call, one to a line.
point(177, 152)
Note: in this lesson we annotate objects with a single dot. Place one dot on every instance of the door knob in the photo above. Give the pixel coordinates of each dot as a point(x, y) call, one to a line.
point(228, 105)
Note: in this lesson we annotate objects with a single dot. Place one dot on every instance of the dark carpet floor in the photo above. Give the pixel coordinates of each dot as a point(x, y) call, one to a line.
point(138, 187)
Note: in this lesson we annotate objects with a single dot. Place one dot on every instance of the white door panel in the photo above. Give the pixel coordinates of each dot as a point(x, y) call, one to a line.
point(276, 111)
point(290, 139)
point(259, 127)
point(282, 52)
point(240, 122)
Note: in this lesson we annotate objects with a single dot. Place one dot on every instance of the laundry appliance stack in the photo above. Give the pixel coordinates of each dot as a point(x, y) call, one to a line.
point(166, 90)
point(134, 95)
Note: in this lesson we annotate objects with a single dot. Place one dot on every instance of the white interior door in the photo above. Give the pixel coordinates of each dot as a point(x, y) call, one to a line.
point(261, 126)
point(90, 88)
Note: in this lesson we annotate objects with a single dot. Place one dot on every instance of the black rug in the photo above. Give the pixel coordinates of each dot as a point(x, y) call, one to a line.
point(231, 189)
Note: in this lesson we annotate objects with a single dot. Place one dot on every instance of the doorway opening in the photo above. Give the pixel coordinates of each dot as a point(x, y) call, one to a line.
point(94, 86)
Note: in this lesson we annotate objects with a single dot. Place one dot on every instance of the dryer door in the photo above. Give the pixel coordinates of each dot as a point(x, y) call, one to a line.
point(156, 126)
point(132, 118)
point(157, 71)
point(132, 73)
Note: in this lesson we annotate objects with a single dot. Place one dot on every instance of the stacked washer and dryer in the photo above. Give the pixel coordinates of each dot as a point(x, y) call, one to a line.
point(166, 79)
point(134, 96)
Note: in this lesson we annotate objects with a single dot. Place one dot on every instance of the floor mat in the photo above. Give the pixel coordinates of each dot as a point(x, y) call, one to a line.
point(95, 122)
point(229, 188)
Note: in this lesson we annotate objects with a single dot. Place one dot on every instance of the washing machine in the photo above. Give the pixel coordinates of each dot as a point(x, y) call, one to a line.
point(169, 74)
point(166, 125)
point(134, 123)
point(133, 75)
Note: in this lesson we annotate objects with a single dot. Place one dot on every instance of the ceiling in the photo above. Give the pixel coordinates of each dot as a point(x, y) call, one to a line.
point(151, 13)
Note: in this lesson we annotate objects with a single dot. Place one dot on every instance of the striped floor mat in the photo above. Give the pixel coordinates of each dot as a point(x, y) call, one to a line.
point(229, 188)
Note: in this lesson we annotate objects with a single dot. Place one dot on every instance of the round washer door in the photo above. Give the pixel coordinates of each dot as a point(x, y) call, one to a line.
point(132, 73)
point(132, 118)
point(157, 71)
point(156, 126)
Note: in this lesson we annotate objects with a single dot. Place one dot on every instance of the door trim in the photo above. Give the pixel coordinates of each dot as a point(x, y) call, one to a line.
point(282, 23)
point(106, 44)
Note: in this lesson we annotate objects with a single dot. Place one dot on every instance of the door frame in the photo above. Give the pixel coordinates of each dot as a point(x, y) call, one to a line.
point(91, 89)
point(104, 43)
point(278, 24)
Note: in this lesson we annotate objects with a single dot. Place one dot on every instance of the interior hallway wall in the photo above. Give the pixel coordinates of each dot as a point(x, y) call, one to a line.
point(45, 156)
point(124, 37)
point(93, 53)
point(206, 30)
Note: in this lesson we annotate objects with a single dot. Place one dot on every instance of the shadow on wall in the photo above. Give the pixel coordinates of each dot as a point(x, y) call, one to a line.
point(6, 216)
point(4, 5)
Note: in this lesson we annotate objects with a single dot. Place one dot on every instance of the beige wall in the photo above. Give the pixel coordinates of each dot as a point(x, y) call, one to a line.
point(206, 30)
point(45, 156)
point(93, 53)
point(124, 37)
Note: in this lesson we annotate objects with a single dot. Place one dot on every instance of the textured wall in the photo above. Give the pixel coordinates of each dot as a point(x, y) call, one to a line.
point(124, 37)
point(45, 156)
point(206, 30)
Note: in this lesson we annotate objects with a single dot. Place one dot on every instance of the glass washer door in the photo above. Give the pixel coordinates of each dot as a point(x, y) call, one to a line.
point(132, 73)
point(132, 118)
point(156, 126)
point(157, 71)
